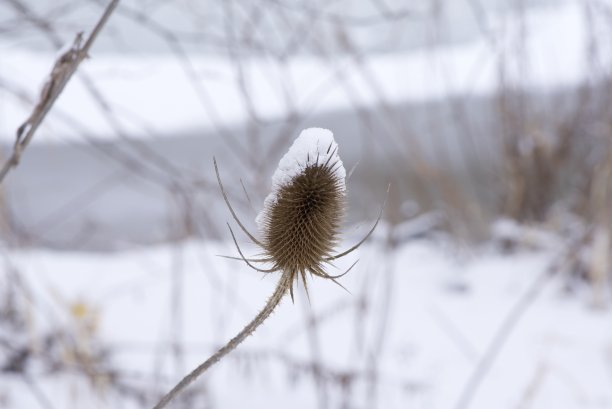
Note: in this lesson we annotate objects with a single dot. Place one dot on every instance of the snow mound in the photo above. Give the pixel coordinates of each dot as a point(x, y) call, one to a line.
point(313, 145)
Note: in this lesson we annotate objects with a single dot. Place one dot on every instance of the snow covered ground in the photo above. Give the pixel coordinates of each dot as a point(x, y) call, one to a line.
point(419, 320)
point(415, 325)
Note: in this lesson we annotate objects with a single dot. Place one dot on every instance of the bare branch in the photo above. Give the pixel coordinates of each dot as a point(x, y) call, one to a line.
point(513, 318)
point(65, 66)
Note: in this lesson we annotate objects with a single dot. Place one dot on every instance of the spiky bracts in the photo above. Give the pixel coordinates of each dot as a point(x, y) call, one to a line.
point(299, 224)
point(301, 218)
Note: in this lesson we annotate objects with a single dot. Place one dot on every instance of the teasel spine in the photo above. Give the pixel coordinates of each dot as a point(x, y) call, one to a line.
point(308, 254)
point(274, 300)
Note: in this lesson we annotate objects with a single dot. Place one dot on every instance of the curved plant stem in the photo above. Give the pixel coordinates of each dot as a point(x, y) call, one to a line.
point(281, 288)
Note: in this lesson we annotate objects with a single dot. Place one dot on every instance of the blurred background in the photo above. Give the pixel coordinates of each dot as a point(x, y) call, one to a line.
point(487, 283)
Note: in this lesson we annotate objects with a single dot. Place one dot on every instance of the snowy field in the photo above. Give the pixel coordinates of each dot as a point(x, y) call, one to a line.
point(417, 322)
point(112, 288)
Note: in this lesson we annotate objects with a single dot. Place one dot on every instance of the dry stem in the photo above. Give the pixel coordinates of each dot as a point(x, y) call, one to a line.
point(65, 66)
point(283, 285)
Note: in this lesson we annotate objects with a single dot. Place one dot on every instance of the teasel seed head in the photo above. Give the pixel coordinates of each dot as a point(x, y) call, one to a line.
point(301, 218)
point(299, 224)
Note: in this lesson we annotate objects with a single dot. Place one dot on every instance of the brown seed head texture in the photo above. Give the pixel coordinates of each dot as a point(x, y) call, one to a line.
point(301, 219)
point(301, 228)
point(300, 225)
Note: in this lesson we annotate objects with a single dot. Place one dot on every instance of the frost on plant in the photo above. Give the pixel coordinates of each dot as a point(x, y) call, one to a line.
point(299, 225)
point(313, 146)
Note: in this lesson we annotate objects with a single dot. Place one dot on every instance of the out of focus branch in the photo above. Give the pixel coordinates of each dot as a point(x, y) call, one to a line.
point(568, 255)
point(65, 66)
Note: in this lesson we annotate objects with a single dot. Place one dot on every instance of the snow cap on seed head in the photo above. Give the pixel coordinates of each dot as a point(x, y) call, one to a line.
point(312, 146)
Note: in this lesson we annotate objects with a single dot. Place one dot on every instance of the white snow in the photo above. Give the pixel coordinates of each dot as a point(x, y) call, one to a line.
point(405, 318)
point(312, 146)
point(165, 95)
point(419, 317)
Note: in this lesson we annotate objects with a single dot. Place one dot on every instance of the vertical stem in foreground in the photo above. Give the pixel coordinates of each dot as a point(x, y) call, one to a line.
point(281, 288)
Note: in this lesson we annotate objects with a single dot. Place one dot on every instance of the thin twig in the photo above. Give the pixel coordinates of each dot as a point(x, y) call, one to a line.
point(512, 319)
point(283, 285)
point(42, 399)
point(65, 66)
point(501, 336)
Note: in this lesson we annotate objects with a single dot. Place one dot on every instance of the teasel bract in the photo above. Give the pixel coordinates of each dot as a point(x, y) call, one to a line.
point(299, 225)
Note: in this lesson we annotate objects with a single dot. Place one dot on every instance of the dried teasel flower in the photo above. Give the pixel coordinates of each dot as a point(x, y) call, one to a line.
point(299, 225)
